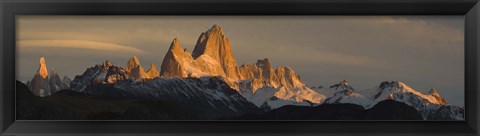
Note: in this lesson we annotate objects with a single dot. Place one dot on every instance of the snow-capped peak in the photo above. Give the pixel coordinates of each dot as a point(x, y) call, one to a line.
point(343, 85)
point(401, 92)
point(346, 94)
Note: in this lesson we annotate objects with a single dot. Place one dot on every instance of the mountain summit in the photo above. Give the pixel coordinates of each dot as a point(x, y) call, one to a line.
point(135, 70)
point(213, 56)
point(346, 94)
point(216, 45)
point(44, 84)
point(42, 69)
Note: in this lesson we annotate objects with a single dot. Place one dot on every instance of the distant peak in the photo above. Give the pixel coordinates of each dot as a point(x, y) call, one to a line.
point(42, 69)
point(107, 63)
point(433, 91)
point(215, 29)
point(135, 60)
point(437, 96)
point(132, 63)
point(343, 85)
point(385, 84)
point(153, 66)
point(263, 63)
point(175, 44)
point(344, 82)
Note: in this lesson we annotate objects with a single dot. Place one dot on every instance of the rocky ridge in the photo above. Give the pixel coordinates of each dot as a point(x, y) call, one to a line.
point(213, 56)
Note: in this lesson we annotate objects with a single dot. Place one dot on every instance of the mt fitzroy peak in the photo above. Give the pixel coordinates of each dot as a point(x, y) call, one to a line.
point(259, 83)
point(212, 56)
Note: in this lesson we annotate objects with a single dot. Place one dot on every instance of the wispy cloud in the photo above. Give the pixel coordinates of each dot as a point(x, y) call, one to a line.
point(79, 44)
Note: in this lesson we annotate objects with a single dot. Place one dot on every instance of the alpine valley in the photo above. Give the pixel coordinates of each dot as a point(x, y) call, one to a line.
point(208, 84)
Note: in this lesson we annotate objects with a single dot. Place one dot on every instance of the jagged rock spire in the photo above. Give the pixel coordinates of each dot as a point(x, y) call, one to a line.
point(216, 45)
point(175, 45)
point(43, 83)
point(437, 96)
point(266, 68)
point(135, 70)
point(152, 72)
point(42, 69)
point(132, 63)
point(171, 64)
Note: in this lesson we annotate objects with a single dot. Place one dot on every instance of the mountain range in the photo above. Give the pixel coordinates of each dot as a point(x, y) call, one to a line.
point(209, 82)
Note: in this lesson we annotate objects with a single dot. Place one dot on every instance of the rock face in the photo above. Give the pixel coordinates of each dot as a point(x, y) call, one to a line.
point(434, 93)
point(216, 45)
point(274, 88)
point(263, 71)
point(213, 56)
point(212, 60)
point(44, 84)
point(135, 70)
point(42, 69)
point(132, 64)
point(152, 72)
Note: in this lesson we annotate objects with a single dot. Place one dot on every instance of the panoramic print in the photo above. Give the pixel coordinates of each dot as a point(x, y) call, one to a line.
point(240, 68)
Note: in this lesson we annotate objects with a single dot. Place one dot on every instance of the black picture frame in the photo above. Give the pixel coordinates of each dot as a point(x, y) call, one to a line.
point(11, 8)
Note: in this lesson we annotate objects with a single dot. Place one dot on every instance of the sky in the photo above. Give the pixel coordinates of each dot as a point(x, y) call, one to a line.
point(422, 51)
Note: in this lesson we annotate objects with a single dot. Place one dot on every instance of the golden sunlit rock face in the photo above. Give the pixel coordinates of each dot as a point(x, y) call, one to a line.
point(437, 96)
point(179, 62)
point(42, 70)
point(152, 72)
point(216, 45)
point(265, 74)
point(132, 63)
point(135, 70)
point(213, 56)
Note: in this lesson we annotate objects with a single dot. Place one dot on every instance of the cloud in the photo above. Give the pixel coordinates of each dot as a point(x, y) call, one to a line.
point(79, 44)
point(321, 57)
point(419, 34)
